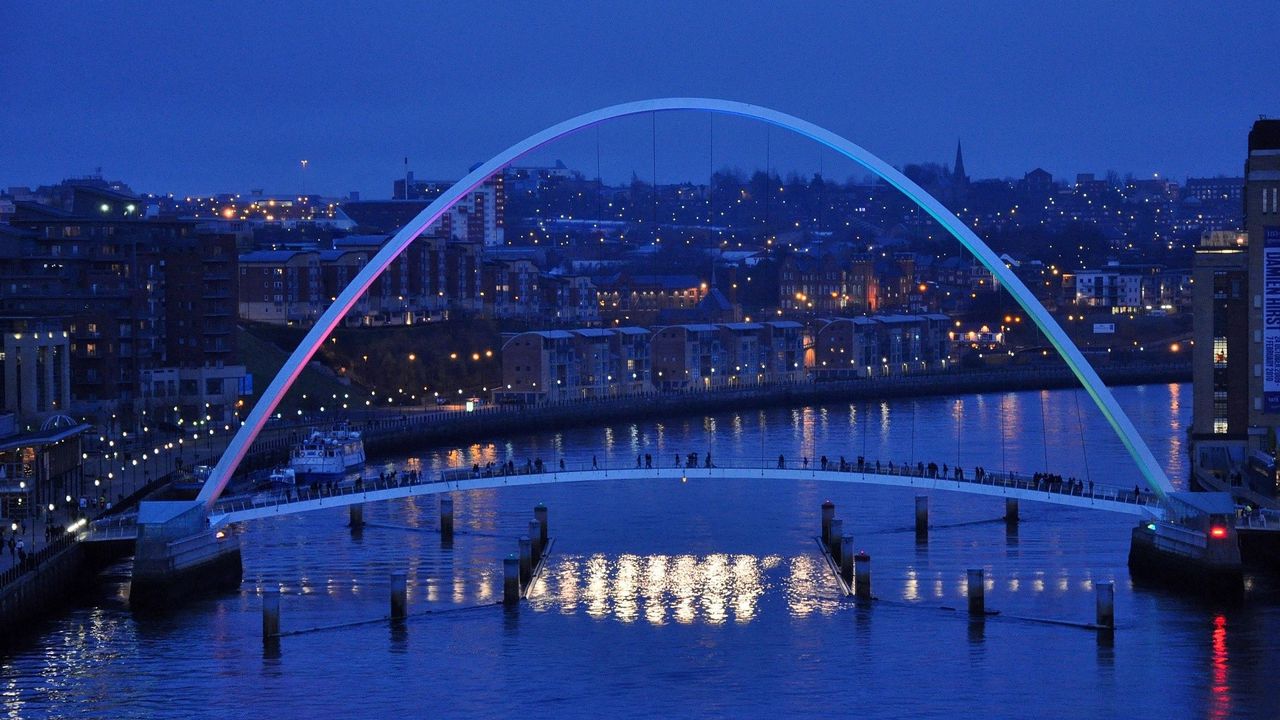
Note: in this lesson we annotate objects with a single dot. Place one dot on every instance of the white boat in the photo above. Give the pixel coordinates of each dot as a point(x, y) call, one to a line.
point(328, 454)
point(283, 477)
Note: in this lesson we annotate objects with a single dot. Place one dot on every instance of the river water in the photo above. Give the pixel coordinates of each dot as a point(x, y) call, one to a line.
point(702, 598)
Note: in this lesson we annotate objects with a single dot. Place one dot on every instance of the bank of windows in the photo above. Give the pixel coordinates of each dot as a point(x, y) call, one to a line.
point(1271, 199)
point(1219, 352)
point(1219, 412)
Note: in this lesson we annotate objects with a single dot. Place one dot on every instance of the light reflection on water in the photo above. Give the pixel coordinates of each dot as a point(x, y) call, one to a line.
point(662, 598)
point(715, 589)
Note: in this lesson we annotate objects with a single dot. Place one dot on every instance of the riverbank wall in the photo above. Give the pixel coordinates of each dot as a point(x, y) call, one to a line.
point(415, 432)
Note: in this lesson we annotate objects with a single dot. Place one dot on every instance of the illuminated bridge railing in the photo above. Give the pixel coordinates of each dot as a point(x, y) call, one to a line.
point(449, 479)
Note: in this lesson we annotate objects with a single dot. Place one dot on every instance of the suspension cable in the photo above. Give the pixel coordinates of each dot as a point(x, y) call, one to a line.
point(1044, 432)
point(1004, 458)
point(768, 181)
point(599, 188)
point(1084, 454)
point(911, 456)
point(711, 178)
point(653, 127)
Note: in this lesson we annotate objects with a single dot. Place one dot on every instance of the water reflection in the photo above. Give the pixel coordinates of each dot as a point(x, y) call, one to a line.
point(1220, 687)
point(714, 589)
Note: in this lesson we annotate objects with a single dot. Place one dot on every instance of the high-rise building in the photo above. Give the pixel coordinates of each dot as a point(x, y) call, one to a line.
point(134, 295)
point(1236, 357)
point(1262, 224)
point(478, 217)
point(1220, 357)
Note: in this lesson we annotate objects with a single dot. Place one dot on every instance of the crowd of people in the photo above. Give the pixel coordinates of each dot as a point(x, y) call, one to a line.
point(1048, 482)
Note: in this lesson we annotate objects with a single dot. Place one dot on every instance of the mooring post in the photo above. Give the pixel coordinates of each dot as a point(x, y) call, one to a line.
point(356, 515)
point(977, 594)
point(270, 614)
point(535, 538)
point(399, 596)
point(1011, 511)
point(834, 533)
point(511, 581)
point(540, 514)
point(922, 516)
point(446, 518)
point(862, 566)
point(1106, 610)
point(846, 559)
point(828, 514)
point(526, 560)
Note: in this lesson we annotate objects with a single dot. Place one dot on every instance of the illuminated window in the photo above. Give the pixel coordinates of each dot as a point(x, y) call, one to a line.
point(1220, 352)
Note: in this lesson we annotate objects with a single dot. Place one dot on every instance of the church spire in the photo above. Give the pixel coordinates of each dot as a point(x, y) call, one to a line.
point(958, 172)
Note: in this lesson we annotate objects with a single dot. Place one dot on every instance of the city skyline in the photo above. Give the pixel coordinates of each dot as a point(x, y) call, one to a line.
point(1166, 91)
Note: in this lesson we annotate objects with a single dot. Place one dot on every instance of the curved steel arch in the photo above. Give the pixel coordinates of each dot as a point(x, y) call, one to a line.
point(329, 320)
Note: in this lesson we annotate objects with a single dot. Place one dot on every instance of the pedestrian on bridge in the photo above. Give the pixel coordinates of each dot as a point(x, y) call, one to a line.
point(781, 462)
point(804, 462)
point(594, 465)
point(561, 464)
point(708, 459)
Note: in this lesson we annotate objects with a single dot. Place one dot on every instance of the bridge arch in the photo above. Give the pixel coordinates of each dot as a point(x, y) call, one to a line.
point(1148, 466)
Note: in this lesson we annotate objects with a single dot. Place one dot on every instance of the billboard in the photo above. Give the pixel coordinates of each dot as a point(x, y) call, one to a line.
point(1104, 328)
point(1271, 319)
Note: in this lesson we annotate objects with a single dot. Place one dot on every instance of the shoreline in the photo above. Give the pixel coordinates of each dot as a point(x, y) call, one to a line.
point(416, 433)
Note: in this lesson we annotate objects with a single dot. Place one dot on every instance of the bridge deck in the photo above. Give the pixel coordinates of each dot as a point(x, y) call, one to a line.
point(303, 499)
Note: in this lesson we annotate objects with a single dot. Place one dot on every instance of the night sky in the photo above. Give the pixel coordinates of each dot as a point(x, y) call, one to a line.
point(197, 98)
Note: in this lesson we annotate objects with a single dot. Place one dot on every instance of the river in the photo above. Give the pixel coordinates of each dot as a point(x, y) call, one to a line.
point(699, 598)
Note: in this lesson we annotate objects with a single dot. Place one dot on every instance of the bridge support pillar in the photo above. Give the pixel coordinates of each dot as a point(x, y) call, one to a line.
point(1106, 605)
point(446, 520)
point(511, 581)
point(828, 514)
point(922, 517)
point(270, 615)
point(179, 554)
point(835, 532)
point(526, 561)
point(540, 514)
point(846, 559)
point(399, 597)
point(1011, 511)
point(862, 581)
point(356, 514)
point(977, 594)
point(535, 541)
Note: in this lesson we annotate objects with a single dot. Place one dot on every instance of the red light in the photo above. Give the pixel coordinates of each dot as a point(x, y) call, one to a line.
point(1217, 531)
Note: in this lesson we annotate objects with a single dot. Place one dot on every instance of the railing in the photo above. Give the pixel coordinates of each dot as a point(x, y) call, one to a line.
point(1050, 485)
point(33, 561)
point(1258, 519)
point(115, 527)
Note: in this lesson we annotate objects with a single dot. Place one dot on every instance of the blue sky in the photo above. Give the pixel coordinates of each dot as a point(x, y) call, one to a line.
point(194, 97)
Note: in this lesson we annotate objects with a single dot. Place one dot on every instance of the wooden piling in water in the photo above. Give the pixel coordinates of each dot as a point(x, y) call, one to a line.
point(977, 592)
